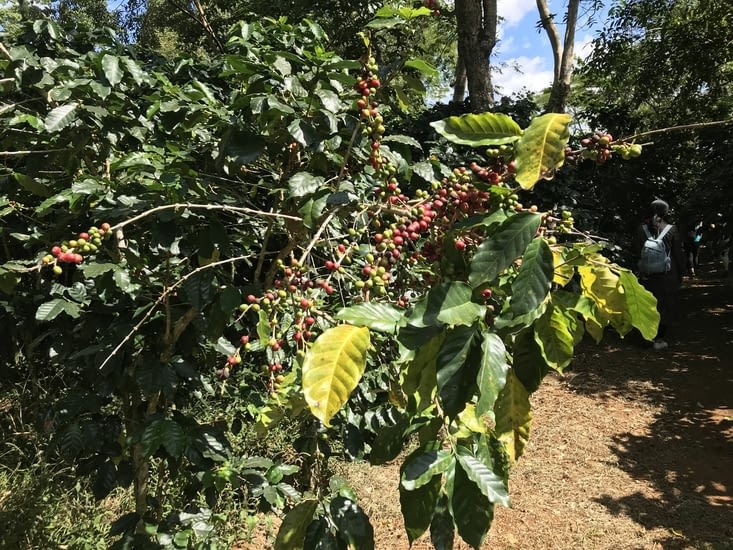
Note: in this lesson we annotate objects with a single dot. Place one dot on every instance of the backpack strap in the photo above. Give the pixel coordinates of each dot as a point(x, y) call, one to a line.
point(646, 230)
point(664, 231)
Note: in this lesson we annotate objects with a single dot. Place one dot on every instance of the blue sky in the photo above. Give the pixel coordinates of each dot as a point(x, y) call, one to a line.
point(521, 44)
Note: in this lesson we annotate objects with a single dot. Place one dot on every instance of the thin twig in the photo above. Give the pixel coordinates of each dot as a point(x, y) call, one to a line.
point(317, 235)
point(21, 153)
point(162, 297)
point(696, 126)
point(225, 208)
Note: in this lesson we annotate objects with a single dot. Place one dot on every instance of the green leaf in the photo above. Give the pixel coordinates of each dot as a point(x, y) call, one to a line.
point(291, 535)
point(352, 524)
point(330, 100)
point(478, 130)
point(541, 150)
point(333, 367)
point(500, 250)
point(134, 69)
point(91, 271)
point(456, 374)
point(491, 485)
point(529, 364)
point(422, 465)
point(374, 315)
point(112, 70)
point(534, 280)
point(492, 373)
point(304, 183)
point(313, 208)
point(641, 305)
point(442, 528)
point(385, 23)
point(422, 66)
point(172, 437)
point(425, 170)
point(419, 380)
point(472, 511)
point(448, 303)
point(418, 505)
point(50, 310)
point(389, 441)
point(513, 417)
point(404, 140)
point(32, 185)
point(554, 334)
point(60, 117)
point(164, 433)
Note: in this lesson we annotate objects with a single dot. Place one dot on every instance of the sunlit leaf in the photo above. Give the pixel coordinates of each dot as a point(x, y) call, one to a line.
point(513, 417)
point(333, 367)
point(534, 279)
point(291, 535)
point(541, 150)
point(60, 117)
point(500, 250)
point(479, 129)
point(374, 315)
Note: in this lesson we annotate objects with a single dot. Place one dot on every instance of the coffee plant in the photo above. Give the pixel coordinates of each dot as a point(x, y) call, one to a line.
point(244, 236)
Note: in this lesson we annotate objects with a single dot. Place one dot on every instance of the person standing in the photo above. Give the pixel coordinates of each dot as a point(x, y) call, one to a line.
point(691, 246)
point(665, 283)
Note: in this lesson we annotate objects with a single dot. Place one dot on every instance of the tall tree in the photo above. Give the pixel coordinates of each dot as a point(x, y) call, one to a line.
point(562, 52)
point(476, 21)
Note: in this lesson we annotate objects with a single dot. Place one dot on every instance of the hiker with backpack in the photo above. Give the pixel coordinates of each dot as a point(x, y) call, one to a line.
point(661, 265)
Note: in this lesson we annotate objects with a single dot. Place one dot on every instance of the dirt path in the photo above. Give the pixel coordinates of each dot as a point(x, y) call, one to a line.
point(631, 449)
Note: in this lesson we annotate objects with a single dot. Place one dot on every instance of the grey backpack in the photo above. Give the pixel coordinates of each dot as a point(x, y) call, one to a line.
point(654, 255)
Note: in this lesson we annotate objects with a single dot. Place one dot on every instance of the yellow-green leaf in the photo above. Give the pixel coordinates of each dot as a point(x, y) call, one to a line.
point(513, 417)
point(332, 369)
point(541, 149)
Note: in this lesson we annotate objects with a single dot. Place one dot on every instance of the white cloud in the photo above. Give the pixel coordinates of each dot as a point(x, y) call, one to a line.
point(535, 75)
point(513, 11)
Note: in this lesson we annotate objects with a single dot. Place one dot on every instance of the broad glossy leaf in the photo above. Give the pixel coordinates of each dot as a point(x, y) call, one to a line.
point(541, 150)
point(422, 66)
point(172, 437)
point(333, 367)
point(418, 378)
point(554, 335)
point(500, 249)
point(304, 183)
point(32, 185)
point(313, 208)
point(478, 129)
point(422, 465)
point(641, 305)
point(291, 535)
point(513, 417)
point(389, 441)
point(60, 117)
point(491, 485)
point(442, 529)
point(458, 363)
point(374, 315)
point(447, 303)
point(492, 373)
point(418, 506)
point(403, 139)
point(50, 310)
point(352, 524)
point(112, 70)
point(472, 511)
point(534, 279)
point(137, 74)
point(529, 364)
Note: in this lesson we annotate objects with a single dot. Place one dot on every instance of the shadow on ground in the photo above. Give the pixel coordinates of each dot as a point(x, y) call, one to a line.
point(687, 453)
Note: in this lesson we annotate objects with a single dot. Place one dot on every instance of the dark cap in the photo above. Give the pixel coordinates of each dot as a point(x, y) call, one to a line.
point(659, 208)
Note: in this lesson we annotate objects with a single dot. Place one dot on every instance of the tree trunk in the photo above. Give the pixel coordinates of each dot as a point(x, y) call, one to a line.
point(476, 22)
point(459, 86)
point(562, 53)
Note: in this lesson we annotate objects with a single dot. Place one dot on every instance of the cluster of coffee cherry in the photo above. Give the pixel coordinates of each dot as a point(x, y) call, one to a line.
point(74, 251)
point(597, 147)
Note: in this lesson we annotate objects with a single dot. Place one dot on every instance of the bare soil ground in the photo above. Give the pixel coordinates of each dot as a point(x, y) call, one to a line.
point(630, 448)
